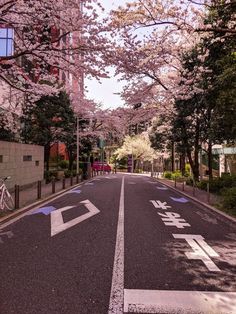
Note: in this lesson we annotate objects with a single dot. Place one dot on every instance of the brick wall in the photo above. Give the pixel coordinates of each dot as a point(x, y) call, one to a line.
point(22, 162)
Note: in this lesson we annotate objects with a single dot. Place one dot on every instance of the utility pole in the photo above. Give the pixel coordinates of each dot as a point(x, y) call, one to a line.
point(77, 145)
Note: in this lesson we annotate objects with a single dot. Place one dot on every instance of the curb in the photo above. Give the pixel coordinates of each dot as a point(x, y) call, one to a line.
point(23, 210)
point(199, 202)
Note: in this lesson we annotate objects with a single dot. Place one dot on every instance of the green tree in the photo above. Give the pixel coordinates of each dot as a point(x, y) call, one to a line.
point(49, 120)
point(209, 115)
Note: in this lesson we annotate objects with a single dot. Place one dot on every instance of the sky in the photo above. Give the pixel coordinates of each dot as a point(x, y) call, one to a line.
point(105, 92)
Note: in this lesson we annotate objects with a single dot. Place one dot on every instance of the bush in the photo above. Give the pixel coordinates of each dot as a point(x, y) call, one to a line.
point(216, 185)
point(187, 170)
point(167, 175)
point(228, 180)
point(69, 173)
point(176, 175)
point(229, 199)
point(172, 175)
point(202, 185)
point(189, 181)
point(63, 164)
point(49, 175)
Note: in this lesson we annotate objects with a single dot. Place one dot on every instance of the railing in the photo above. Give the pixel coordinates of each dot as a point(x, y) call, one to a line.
point(40, 190)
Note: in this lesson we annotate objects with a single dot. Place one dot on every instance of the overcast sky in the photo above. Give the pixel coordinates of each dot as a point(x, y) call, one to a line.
point(104, 92)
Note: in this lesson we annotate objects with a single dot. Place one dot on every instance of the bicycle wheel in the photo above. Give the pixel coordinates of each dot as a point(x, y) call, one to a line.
point(8, 201)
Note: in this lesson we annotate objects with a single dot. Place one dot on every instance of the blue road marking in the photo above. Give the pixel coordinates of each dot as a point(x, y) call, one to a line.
point(77, 191)
point(43, 210)
point(179, 200)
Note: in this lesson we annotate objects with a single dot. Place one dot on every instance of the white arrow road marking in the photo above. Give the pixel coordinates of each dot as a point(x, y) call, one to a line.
point(184, 302)
point(57, 223)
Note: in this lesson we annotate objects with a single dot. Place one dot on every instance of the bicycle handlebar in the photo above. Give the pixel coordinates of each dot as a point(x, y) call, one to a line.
point(6, 178)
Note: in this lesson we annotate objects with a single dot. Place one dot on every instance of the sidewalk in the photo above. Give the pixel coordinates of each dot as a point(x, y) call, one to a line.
point(28, 196)
point(200, 195)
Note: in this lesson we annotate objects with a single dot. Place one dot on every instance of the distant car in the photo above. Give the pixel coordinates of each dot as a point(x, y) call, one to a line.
point(98, 166)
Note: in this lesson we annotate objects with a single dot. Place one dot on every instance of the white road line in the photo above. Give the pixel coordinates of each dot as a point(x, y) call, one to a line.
point(117, 288)
point(201, 250)
point(57, 223)
point(184, 302)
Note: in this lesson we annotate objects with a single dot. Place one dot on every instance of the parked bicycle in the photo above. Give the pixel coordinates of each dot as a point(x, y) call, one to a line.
point(6, 201)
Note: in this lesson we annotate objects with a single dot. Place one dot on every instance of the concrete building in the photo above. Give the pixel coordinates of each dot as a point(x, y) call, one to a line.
point(24, 163)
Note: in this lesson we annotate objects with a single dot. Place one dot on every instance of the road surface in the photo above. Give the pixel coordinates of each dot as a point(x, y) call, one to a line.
point(118, 244)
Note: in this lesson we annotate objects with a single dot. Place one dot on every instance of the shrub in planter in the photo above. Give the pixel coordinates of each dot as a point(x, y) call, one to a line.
point(228, 181)
point(187, 170)
point(216, 185)
point(49, 175)
point(69, 173)
point(176, 175)
point(202, 185)
point(229, 199)
point(189, 181)
point(167, 175)
point(63, 164)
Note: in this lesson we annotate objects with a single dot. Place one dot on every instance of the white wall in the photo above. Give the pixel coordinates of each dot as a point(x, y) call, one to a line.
point(12, 163)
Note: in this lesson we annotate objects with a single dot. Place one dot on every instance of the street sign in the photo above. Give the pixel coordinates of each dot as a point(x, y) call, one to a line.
point(101, 143)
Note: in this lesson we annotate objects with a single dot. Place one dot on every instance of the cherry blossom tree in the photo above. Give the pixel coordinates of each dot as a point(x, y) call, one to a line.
point(138, 146)
point(152, 36)
point(182, 15)
point(50, 38)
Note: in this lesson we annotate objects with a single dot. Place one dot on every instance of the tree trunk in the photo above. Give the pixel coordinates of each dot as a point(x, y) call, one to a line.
point(209, 153)
point(182, 163)
point(194, 164)
point(173, 156)
point(71, 158)
point(134, 164)
point(209, 150)
point(196, 152)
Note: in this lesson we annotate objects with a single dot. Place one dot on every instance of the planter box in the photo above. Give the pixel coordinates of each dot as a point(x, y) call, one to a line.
point(60, 174)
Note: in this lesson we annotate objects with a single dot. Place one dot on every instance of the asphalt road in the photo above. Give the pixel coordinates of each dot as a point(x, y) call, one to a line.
point(118, 244)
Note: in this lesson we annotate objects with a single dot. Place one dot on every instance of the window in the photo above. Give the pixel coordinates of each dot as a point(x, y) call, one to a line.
point(27, 158)
point(6, 42)
point(37, 163)
point(1, 158)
